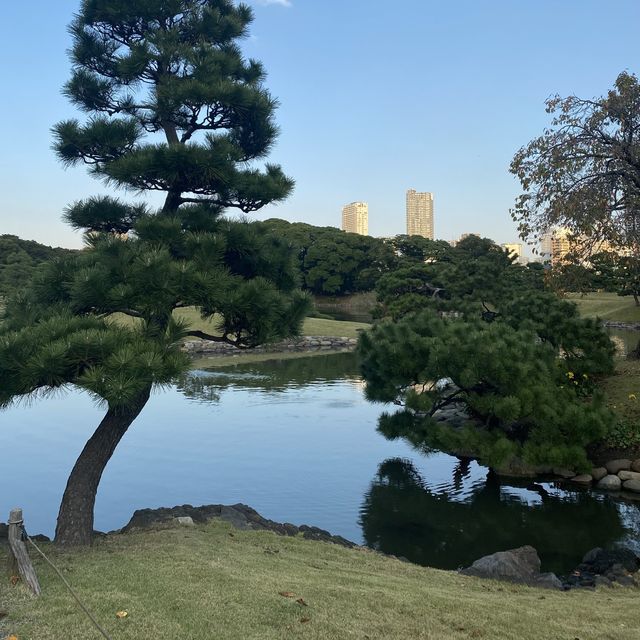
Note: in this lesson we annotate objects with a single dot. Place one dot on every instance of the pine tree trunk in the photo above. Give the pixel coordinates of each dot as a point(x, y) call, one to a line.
point(75, 518)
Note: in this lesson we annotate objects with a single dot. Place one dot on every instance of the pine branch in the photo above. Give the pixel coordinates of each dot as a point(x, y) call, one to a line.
point(211, 338)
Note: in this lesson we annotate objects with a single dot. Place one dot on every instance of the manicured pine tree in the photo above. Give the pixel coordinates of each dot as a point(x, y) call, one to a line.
point(172, 106)
point(521, 360)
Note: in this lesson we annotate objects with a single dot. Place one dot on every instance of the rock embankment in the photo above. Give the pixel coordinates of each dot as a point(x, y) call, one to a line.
point(616, 475)
point(239, 515)
point(604, 568)
point(622, 325)
point(304, 343)
point(599, 568)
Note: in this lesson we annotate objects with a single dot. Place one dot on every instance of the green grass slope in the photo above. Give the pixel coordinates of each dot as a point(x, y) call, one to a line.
point(215, 582)
point(607, 306)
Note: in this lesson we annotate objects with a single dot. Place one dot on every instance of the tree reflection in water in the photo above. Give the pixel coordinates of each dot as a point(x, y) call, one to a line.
point(449, 526)
point(275, 375)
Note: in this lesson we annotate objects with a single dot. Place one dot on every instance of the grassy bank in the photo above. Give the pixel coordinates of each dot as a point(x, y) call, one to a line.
point(607, 306)
point(311, 326)
point(207, 362)
point(215, 582)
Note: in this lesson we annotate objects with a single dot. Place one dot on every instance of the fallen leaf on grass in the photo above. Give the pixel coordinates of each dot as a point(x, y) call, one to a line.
point(14, 580)
point(287, 594)
point(302, 602)
point(121, 614)
point(12, 638)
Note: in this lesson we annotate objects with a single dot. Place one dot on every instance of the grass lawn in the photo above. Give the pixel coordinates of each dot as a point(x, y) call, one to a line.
point(336, 328)
point(211, 581)
point(607, 306)
point(623, 389)
point(311, 326)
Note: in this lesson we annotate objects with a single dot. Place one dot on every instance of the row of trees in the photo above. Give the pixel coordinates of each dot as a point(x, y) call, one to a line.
point(19, 260)
point(334, 262)
point(604, 271)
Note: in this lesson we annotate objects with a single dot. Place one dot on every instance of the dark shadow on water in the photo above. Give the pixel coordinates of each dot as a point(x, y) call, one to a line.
point(450, 526)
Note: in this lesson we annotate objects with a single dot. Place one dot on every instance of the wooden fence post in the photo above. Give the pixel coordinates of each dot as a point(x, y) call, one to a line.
point(19, 561)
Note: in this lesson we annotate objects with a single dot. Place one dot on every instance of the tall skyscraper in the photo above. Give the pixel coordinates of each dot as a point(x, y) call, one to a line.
point(420, 214)
point(355, 218)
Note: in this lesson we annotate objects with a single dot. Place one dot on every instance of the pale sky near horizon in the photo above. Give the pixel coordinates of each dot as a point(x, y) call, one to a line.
point(376, 98)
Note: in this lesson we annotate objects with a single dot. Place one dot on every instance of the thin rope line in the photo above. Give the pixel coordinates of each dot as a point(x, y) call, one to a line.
point(53, 566)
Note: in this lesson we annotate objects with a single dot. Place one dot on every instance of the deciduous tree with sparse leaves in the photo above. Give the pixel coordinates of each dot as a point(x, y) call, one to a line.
point(583, 172)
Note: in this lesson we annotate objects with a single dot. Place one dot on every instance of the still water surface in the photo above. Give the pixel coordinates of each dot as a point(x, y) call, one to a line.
point(296, 440)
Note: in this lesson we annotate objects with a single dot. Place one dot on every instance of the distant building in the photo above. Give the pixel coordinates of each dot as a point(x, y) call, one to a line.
point(555, 245)
point(355, 218)
point(561, 241)
point(420, 214)
point(514, 249)
point(561, 244)
point(545, 247)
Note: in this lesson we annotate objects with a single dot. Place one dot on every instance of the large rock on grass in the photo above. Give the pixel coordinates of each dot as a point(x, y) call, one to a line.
point(520, 565)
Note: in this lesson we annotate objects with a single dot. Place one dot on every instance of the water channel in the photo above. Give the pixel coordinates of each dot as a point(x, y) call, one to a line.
point(296, 440)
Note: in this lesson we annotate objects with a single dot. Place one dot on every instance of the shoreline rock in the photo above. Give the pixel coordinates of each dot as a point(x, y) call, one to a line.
point(599, 567)
point(521, 565)
point(635, 326)
point(240, 516)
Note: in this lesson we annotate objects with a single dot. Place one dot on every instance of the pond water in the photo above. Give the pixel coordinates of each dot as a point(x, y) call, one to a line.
point(296, 440)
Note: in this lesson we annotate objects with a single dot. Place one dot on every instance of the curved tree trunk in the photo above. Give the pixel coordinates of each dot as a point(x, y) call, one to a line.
point(75, 518)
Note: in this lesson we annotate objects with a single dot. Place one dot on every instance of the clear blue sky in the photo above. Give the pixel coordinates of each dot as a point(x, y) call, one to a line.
point(376, 97)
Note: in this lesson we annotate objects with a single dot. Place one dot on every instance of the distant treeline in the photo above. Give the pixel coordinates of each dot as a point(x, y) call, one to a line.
point(331, 262)
point(334, 262)
point(19, 260)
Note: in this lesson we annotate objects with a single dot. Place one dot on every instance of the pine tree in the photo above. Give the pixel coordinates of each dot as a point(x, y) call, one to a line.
point(518, 359)
point(172, 106)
